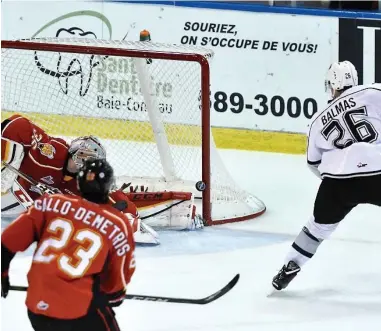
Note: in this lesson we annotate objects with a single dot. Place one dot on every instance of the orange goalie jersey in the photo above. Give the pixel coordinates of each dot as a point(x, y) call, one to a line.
point(84, 254)
point(45, 159)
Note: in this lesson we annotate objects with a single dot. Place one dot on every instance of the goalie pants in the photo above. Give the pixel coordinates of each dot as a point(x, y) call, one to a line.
point(102, 319)
point(337, 197)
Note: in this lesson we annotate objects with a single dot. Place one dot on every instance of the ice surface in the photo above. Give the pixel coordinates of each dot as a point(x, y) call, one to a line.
point(338, 288)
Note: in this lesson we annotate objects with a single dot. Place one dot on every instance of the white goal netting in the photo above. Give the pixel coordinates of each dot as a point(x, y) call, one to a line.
point(146, 111)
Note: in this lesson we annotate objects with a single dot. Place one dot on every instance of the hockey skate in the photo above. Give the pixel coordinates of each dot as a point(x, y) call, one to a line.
point(285, 275)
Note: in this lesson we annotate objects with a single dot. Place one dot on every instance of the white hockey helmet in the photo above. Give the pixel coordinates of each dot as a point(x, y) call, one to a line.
point(86, 148)
point(339, 76)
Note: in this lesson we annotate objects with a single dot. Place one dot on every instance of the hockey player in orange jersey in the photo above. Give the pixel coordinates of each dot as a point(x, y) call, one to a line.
point(84, 257)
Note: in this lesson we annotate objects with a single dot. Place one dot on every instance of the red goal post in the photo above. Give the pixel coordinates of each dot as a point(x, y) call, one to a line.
point(20, 55)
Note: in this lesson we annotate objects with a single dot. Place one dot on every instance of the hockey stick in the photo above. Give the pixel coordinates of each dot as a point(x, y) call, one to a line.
point(51, 190)
point(202, 301)
point(13, 205)
point(44, 188)
point(120, 205)
point(162, 210)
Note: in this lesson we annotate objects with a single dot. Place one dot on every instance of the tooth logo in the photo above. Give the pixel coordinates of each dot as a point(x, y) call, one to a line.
point(73, 71)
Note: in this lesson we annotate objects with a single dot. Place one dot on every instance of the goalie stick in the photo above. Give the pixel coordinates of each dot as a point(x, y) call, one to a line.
point(42, 187)
point(120, 205)
point(202, 301)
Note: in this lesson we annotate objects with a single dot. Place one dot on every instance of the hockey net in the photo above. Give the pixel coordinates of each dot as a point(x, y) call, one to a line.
point(147, 102)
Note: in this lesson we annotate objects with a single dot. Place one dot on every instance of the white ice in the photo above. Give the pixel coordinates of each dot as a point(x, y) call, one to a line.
point(339, 288)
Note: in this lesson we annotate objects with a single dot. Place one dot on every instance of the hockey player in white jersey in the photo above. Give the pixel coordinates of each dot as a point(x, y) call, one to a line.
point(344, 150)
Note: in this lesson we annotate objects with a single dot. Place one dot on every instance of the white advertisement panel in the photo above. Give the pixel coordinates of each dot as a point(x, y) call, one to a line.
point(267, 72)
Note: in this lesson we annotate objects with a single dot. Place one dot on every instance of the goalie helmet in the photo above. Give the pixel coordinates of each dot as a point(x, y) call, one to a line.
point(95, 180)
point(86, 148)
point(340, 75)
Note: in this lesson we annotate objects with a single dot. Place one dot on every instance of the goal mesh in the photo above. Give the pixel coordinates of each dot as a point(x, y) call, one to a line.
point(143, 100)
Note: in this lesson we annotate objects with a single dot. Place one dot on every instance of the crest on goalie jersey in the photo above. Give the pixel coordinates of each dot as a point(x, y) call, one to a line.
point(47, 150)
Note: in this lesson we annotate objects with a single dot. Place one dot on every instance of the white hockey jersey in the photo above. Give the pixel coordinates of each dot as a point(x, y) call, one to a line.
point(345, 138)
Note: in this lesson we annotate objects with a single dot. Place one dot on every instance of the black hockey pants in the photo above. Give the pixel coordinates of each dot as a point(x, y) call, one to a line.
point(337, 197)
point(102, 319)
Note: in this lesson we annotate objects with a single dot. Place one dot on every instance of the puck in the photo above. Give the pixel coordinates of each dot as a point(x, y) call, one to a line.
point(200, 186)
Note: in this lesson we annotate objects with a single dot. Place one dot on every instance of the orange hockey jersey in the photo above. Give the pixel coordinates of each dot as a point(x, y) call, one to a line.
point(45, 160)
point(85, 251)
point(45, 156)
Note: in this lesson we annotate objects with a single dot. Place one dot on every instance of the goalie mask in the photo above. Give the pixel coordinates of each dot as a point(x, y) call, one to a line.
point(86, 148)
point(340, 75)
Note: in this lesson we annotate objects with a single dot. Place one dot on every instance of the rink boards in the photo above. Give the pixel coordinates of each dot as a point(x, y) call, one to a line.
point(265, 86)
point(226, 138)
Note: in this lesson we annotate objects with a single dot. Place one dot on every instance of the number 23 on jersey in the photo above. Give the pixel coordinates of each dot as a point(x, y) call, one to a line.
point(63, 233)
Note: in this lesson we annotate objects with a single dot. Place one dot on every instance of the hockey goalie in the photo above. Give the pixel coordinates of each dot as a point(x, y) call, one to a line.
point(29, 156)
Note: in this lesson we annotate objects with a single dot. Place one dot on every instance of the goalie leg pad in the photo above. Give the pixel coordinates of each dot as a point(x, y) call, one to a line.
point(170, 210)
point(143, 234)
point(11, 153)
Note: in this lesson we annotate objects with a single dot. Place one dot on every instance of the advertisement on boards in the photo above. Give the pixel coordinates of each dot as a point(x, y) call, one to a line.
point(267, 73)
